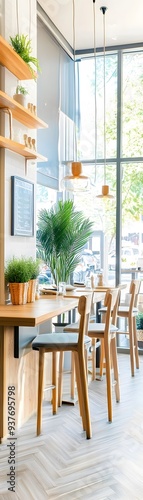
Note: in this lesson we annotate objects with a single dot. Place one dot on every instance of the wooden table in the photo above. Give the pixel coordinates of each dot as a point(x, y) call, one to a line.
point(22, 373)
point(35, 313)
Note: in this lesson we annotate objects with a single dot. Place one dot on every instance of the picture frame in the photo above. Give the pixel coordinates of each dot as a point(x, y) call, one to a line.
point(22, 207)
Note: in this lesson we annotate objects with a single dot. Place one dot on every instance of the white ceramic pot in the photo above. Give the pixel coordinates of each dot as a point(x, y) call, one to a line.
point(20, 98)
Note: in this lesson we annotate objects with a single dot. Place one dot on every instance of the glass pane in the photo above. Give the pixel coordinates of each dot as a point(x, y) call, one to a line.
point(103, 214)
point(87, 106)
point(132, 123)
point(132, 231)
point(45, 198)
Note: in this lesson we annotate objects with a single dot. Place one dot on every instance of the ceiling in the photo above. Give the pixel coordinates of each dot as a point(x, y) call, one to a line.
point(124, 21)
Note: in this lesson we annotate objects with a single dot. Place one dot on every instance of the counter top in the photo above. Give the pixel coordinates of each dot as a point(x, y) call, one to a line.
point(35, 313)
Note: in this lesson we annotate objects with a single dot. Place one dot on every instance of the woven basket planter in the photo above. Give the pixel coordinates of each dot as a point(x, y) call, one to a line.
point(140, 335)
point(31, 290)
point(18, 293)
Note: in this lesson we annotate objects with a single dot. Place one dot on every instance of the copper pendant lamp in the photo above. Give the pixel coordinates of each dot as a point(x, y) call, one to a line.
point(105, 188)
point(75, 181)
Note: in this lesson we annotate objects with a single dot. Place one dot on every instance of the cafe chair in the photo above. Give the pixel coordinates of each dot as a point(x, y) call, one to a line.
point(94, 340)
point(102, 311)
point(129, 311)
point(76, 343)
point(106, 332)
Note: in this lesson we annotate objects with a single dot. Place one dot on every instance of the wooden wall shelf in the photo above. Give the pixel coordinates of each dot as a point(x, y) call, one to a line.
point(20, 113)
point(13, 62)
point(20, 149)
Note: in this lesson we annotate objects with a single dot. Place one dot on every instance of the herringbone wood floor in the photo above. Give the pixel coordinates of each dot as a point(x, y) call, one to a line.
point(62, 464)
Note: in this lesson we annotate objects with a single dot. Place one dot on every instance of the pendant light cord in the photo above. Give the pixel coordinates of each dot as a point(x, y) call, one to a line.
point(95, 104)
point(103, 9)
point(17, 17)
point(74, 88)
point(30, 17)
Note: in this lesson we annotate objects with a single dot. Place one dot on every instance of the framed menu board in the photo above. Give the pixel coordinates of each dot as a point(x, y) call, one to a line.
point(22, 207)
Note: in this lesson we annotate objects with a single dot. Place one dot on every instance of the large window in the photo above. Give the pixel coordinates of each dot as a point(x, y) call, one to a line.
point(92, 113)
point(118, 224)
point(132, 123)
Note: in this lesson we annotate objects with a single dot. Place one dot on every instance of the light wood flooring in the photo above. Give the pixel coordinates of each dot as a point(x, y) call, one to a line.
point(62, 464)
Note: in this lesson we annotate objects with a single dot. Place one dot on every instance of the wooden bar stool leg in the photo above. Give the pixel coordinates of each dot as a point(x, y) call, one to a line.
point(86, 362)
point(108, 379)
point(131, 337)
point(115, 368)
point(84, 387)
point(136, 343)
point(60, 379)
point(72, 376)
point(102, 357)
point(54, 382)
point(79, 391)
point(40, 390)
point(93, 359)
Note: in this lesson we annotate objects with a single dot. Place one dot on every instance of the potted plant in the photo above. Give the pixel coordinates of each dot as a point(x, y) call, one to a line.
point(17, 275)
point(139, 326)
point(20, 94)
point(22, 45)
point(62, 233)
point(34, 269)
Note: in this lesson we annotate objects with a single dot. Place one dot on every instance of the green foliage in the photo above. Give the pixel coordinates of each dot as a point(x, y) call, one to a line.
point(34, 268)
point(21, 90)
point(17, 270)
point(139, 321)
point(22, 46)
point(62, 233)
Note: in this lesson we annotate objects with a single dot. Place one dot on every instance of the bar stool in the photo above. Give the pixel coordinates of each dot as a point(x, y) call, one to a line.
point(130, 311)
point(77, 343)
point(107, 333)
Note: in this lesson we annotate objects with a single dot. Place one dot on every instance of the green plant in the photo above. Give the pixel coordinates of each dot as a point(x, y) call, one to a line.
point(22, 45)
point(17, 270)
point(139, 321)
point(34, 268)
point(21, 90)
point(62, 233)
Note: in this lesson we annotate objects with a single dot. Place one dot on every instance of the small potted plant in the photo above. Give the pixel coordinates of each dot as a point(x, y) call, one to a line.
point(139, 326)
point(17, 275)
point(34, 269)
point(20, 94)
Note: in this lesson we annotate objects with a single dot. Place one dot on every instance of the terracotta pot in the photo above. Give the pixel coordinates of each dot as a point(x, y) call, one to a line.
point(31, 290)
point(18, 293)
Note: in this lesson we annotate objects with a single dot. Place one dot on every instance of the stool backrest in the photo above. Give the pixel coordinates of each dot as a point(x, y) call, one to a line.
point(115, 304)
point(108, 314)
point(84, 307)
point(137, 284)
point(112, 303)
point(116, 292)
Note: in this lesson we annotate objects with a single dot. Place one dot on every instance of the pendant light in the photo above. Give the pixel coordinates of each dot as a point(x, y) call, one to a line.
point(105, 188)
point(95, 104)
point(75, 181)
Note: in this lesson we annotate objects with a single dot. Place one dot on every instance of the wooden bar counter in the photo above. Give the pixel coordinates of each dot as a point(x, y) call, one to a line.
point(22, 373)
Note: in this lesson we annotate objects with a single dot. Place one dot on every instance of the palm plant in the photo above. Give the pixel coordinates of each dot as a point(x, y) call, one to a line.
point(61, 235)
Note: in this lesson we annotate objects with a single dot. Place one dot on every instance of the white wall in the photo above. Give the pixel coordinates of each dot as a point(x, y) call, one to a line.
point(11, 163)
